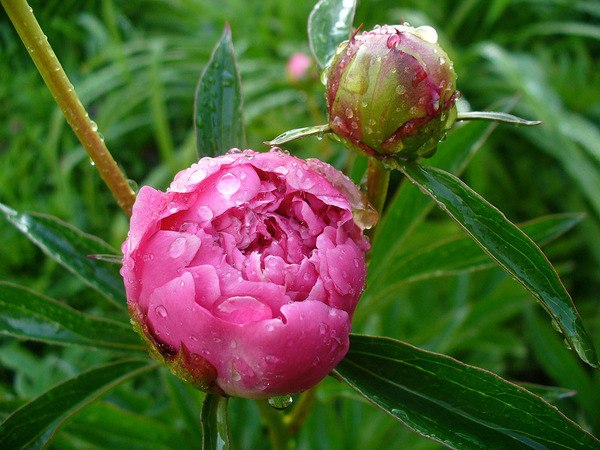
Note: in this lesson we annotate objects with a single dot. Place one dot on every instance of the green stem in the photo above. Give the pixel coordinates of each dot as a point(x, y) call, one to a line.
point(297, 417)
point(24, 21)
point(273, 420)
point(214, 421)
point(378, 179)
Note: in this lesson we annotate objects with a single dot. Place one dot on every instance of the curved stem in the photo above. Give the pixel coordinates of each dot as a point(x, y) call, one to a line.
point(214, 421)
point(378, 179)
point(297, 417)
point(24, 21)
point(273, 420)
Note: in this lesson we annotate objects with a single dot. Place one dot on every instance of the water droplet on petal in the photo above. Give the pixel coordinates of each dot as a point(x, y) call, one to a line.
point(393, 40)
point(161, 311)
point(228, 185)
point(323, 328)
point(197, 176)
point(177, 247)
point(282, 170)
point(205, 213)
point(271, 359)
point(427, 33)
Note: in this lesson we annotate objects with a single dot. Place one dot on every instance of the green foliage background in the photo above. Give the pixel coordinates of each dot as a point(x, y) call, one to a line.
point(135, 65)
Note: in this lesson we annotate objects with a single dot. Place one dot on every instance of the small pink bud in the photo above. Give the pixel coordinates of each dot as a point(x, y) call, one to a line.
point(392, 91)
point(298, 65)
point(243, 277)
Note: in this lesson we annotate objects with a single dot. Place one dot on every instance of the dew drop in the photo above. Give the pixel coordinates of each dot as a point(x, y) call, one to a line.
point(400, 90)
point(427, 33)
point(316, 361)
point(177, 247)
point(205, 213)
point(161, 311)
point(233, 344)
point(349, 113)
point(393, 41)
point(271, 359)
point(193, 338)
point(197, 176)
point(235, 375)
point(281, 402)
point(93, 125)
point(228, 185)
point(323, 328)
point(148, 257)
point(282, 170)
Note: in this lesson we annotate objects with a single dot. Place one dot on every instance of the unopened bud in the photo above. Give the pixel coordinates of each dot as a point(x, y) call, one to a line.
point(391, 92)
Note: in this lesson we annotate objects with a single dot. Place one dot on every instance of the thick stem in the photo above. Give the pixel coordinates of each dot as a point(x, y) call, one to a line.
point(378, 179)
point(297, 417)
point(273, 420)
point(24, 21)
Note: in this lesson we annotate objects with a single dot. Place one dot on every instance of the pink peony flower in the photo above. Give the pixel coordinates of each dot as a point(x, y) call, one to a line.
point(244, 275)
point(298, 65)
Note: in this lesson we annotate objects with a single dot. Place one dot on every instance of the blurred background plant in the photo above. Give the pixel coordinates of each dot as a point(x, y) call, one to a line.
point(136, 64)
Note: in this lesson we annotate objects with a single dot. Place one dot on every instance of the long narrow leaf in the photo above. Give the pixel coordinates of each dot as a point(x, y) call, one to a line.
point(28, 315)
point(329, 24)
point(34, 424)
point(219, 106)
point(509, 246)
point(453, 256)
point(460, 254)
point(71, 247)
point(453, 403)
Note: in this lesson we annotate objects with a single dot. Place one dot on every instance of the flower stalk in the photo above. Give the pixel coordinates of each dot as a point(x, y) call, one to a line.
point(36, 42)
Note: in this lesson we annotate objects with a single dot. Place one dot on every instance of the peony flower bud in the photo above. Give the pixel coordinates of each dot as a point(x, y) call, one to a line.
point(391, 91)
point(298, 65)
point(244, 275)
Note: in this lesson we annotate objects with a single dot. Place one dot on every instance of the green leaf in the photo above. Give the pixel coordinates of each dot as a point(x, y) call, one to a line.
point(509, 246)
point(459, 254)
point(409, 207)
point(71, 247)
point(215, 432)
point(104, 425)
point(329, 24)
point(453, 403)
point(34, 424)
point(28, 315)
point(452, 256)
point(299, 133)
point(219, 105)
point(551, 394)
point(562, 367)
point(496, 117)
